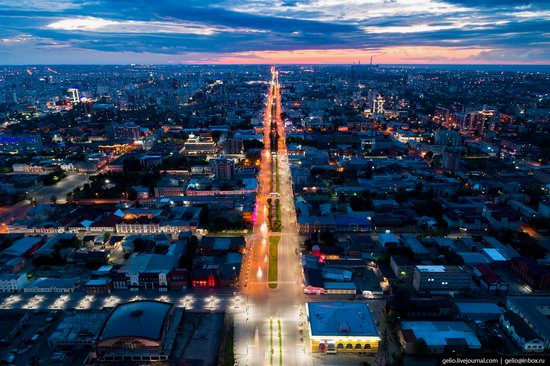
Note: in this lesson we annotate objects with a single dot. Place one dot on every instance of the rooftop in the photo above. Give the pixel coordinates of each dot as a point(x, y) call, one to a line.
point(83, 325)
point(341, 319)
point(442, 333)
point(478, 307)
point(534, 310)
point(140, 319)
point(149, 263)
point(438, 268)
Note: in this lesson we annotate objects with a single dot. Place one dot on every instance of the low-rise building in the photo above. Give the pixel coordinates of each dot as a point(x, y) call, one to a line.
point(78, 329)
point(145, 271)
point(402, 267)
point(441, 279)
point(45, 284)
point(535, 312)
point(11, 322)
point(13, 282)
point(439, 336)
point(521, 333)
point(338, 327)
point(535, 275)
point(138, 332)
point(99, 286)
point(477, 311)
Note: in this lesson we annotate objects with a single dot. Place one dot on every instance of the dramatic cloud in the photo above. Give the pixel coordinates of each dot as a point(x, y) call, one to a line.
point(267, 31)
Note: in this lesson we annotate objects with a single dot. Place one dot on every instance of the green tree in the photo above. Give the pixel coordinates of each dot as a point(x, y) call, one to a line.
point(420, 347)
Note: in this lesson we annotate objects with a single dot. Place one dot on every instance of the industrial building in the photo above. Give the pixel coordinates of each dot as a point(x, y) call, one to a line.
point(438, 335)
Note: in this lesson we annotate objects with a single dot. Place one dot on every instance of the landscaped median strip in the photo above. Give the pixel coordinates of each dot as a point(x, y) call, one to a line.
point(280, 343)
point(272, 271)
point(271, 341)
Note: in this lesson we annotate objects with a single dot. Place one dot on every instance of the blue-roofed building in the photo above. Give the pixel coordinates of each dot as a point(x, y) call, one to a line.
point(438, 335)
point(336, 327)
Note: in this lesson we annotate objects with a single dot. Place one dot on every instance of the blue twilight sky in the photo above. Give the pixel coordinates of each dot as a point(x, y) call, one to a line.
point(274, 31)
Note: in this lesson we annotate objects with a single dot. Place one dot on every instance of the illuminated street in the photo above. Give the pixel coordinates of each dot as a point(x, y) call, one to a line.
point(229, 302)
point(268, 306)
point(269, 183)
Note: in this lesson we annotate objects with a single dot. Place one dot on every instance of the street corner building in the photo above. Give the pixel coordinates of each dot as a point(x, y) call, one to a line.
point(137, 332)
point(337, 327)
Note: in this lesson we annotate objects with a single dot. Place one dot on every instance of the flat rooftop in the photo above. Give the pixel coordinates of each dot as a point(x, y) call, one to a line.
point(438, 268)
point(443, 333)
point(478, 308)
point(82, 326)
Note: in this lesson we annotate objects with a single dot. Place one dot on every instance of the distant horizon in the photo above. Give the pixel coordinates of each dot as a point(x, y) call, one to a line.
point(278, 64)
point(441, 32)
point(278, 32)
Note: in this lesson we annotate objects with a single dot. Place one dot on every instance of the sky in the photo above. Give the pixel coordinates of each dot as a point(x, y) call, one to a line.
point(274, 31)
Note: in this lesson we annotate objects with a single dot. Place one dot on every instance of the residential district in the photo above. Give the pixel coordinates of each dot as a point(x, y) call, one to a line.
point(257, 215)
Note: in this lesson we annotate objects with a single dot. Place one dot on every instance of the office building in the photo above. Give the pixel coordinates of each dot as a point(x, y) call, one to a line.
point(441, 279)
point(224, 169)
point(128, 131)
point(451, 158)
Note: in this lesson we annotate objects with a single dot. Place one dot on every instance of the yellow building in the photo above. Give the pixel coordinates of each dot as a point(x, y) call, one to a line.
point(336, 327)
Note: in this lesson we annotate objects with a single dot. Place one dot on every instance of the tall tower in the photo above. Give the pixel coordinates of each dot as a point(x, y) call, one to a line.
point(74, 94)
point(378, 105)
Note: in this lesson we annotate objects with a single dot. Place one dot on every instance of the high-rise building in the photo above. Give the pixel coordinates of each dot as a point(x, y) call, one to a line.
point(233, 146)
point(378, 105)
point(74, 94)
point(128, 131)
point(448, 138)
point(224, 168)
point(451, 158)
point(481, 121)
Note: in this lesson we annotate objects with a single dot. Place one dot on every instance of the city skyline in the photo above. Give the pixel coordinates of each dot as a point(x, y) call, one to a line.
point(279, 32)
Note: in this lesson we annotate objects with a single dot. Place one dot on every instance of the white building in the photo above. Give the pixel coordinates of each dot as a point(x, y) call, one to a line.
point(13, 282)
point(521, 333)
point(45, 285)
